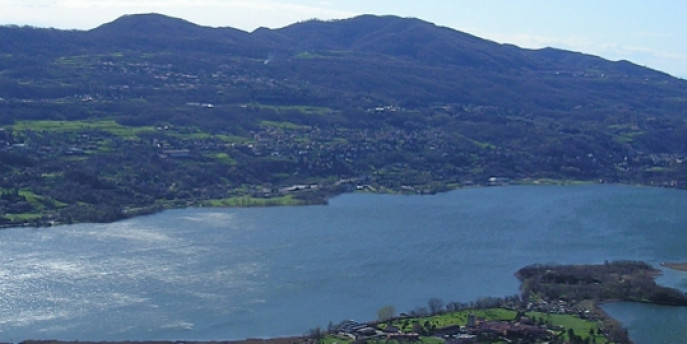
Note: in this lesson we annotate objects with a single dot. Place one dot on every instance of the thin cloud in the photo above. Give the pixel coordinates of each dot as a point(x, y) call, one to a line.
point(581, 44)
point(260, 7)
point(242, 14)
point(653, 52)
point(28, 4)
point(639, 54)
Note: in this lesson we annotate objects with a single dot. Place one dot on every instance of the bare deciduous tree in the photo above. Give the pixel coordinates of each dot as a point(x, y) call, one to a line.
point(386, 313)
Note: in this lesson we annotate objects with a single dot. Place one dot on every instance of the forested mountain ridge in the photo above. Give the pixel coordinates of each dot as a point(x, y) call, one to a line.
point(150, 111)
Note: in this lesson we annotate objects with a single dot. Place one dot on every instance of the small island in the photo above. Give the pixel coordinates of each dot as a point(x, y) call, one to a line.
point(557, 304)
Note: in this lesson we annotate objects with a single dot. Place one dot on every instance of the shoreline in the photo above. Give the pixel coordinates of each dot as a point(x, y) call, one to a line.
point(679, 266)
point(323, 199)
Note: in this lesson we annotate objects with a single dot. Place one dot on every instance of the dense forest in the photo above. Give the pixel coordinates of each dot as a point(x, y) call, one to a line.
point(150, 112)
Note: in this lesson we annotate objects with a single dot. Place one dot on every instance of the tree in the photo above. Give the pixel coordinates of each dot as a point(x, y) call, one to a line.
point(417, 328)
point(419, 312)
point(315, 333)
point(435, 305)
point(452, 306)
point(386, 313)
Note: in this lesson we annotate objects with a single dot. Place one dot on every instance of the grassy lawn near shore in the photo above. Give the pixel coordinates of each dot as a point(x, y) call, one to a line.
point(456, 318)
point(580, 327)
point(248, 201)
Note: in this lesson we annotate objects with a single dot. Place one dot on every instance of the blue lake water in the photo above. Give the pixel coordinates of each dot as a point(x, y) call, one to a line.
point(208, 274)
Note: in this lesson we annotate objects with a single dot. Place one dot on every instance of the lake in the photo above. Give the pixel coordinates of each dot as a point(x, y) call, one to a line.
point(204, 274)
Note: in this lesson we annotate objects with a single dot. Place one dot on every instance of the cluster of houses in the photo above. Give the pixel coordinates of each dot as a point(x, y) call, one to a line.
point(559, 307)
point(476, 331)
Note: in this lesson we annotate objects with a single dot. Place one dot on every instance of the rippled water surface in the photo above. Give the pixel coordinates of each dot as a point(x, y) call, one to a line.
point(237, 273)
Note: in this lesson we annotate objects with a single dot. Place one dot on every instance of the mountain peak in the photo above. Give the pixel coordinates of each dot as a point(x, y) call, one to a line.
point(347, 32)
point(396, 36)
point(154, 31)
point(148, 23)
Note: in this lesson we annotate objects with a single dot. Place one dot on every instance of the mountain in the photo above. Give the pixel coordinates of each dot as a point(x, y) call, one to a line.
point(150, 111)
point(393, 36)
point(154, 31)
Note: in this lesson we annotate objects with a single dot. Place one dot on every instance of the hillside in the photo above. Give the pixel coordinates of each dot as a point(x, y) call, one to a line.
point(149, 112)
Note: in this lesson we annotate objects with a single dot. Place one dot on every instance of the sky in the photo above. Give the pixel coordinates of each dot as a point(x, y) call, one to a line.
point(648, 33)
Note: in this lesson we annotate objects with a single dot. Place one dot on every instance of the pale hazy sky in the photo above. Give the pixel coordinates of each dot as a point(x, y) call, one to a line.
point(649, 33)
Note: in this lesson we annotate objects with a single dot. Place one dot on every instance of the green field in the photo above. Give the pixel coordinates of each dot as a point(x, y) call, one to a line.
point(283, 125)
point(457, 318)
point(305, 109)
point(23, 217)
point(39, 201)
point(248, 201)
point(199, 135)
point(580, 326)
point(224, 158)
point(109, 126)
